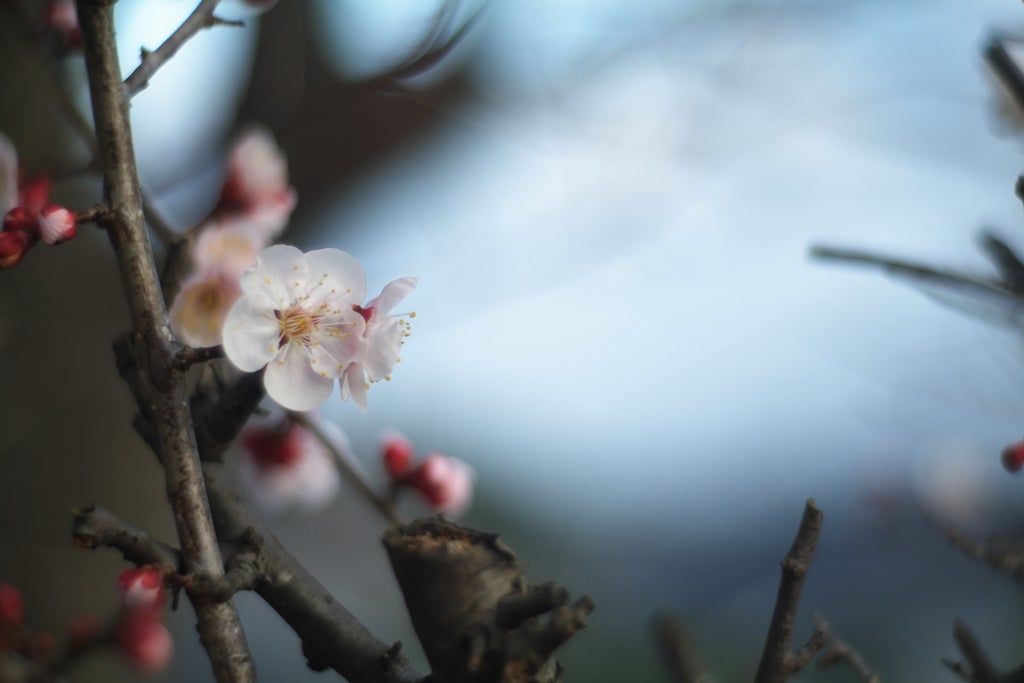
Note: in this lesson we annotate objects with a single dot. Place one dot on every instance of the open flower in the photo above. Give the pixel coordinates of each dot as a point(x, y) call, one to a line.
point(296, 318)
point(381, 342)
point(286, 466)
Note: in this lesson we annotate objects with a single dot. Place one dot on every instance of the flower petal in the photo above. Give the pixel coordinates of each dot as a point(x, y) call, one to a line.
point(393, 292)
point(202, 304)
point(280, 273)
point(8, 175)
point(354, 385)
point(291, 381)
point(384, 344)
point(251, 333)
point(341, 276)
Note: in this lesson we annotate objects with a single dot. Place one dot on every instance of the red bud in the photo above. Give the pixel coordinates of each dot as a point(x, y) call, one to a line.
point(12, 607)
point(1013, 456)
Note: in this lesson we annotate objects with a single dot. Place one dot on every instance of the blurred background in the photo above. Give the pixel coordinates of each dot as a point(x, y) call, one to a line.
point(609, 205)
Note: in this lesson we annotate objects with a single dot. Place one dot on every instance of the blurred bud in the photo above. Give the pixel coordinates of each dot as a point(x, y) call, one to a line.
point(287, 466)
point(34, 193)
point(13, 246)
point(145, 641)
point(41, 646)
point(141, 588)
point(83, 631)
point(20, 219)
point(12, 607)
point(56, 224)
point(1013, 457)
point(446, 483)
point(396, 452)
point(61, 17)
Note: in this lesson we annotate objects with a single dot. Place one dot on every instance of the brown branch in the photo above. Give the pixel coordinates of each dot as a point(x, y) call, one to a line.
point(332, 637)
point(840, 652)
point(777, 661)
point(202, 17)
point(219, 421)
point(94, 527)
point(348, 465)
point(99, 214)
point(676, 650)
point(981, 669)
point(220, 630)
point(473, 611)
point(187, 356)
point(1008, 559)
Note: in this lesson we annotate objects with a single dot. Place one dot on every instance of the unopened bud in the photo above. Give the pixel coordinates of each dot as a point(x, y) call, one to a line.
point(56, 224)
point(142, 587)
point(1013, 456)
point(12, 607)
point(396, 451)
point(145, 641)
point(13, 246)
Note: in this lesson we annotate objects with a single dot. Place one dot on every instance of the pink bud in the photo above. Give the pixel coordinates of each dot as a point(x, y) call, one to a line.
point(446, 483)
point(12, 607)
point(56, 224)
point(274, 448)
point(62, 18)
point(396, 451)
point(35, 193)
point(1013, 456)
point(20, 219)
point(13, 246)
point(145, 641)
point(141, 588)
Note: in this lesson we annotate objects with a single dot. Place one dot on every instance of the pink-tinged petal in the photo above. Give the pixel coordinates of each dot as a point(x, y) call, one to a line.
point(201, 307)
point(392, 294)
point(257, 169)
point(338, 342)
point(34, 193)
point(269, 217)
point(56, 224)
point(251, 333)
point(384, 346)
point(231, 246)
point(446, 483)
point(279, 274)
point(8, 175)
point(354, 385)
point(291, 381)
point(144, 640)
point(340, 276)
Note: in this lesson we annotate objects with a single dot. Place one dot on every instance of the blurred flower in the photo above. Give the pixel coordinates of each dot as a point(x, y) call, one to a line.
point(287, 466)
point(202, 304)
point(141, 588)
point(296, 317)
point(61, 17)
point(380, 343)
point(144, 640)
point(257, 184)
point(12, 607)
point(397, 453)
point(446, 483)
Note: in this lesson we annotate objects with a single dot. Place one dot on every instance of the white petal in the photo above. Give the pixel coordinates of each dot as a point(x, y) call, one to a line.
point(339, 341)
point(231, 246)
point(393, 292)
point(384, 344)
point(251, 333)
point(354, 385)
point(341, 275)
point(279, 274)
point(292, 382)
point(202, 304)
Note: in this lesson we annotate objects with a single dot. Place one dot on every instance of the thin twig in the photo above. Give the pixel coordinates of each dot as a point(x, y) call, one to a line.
point(841, 652)
point(981, 667)
point(1010, 561)
point(1005, 68)
point(777, 660)
point(164, 389)
point(676, 649)
point(202, 17)
point(187, 356)
point(348, 465)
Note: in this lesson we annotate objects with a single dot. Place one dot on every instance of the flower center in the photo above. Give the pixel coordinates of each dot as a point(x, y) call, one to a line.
point(296, 324)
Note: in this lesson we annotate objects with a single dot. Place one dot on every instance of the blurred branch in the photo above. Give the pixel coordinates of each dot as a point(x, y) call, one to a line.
point(1006, 261)
point(1006, 557)
point(839, 652)
point(202, 17)
point(348, 465)
point(777, 660)
point(676, 649)
point(160, 385)
point(1005, 68)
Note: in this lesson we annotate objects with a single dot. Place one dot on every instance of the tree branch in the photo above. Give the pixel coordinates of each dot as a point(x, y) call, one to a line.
point(219, 627)
point(840, 652)
point(202, 17)
point(476, 616)
point(1007, 558)
point(777, 661)
point(93, 527)
point(187, 356)
point(349, 467)
point(677, 650)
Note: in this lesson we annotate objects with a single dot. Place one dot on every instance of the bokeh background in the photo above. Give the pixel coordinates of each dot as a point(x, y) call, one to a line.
point(609, 204)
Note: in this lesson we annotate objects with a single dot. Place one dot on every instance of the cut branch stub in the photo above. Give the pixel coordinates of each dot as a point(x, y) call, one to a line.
point(474, 613)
